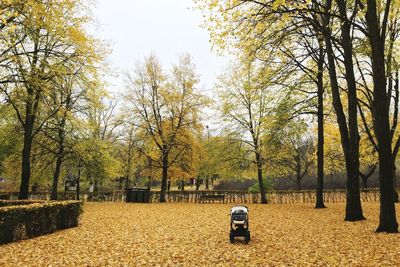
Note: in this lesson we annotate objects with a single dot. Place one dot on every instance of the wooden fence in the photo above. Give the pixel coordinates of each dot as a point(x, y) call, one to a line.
point(277, 197)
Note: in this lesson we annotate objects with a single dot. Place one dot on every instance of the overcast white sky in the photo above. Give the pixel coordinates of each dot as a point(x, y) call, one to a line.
point(136, 28)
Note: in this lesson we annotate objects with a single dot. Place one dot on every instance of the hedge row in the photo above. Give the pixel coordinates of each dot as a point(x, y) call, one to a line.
point(6, 203)
point(34, 218)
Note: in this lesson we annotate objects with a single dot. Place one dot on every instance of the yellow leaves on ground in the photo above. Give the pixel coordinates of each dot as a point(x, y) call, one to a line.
point(197, 235)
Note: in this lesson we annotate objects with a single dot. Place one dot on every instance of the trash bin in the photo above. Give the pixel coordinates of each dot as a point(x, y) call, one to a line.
point(138, 195)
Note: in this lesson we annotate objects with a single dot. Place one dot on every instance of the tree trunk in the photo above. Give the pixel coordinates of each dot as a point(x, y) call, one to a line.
point(298, 173)
point(164, 178)
point(127, 173)
point(207, 187)
point(364, 180)
point(319, 204)
point(59, 162)
point(298, 183)
point(197, 183)
point(396, 194)
point(26, 159)
point(380, 112)
point(149, 182)
point(349, 134)
point(320, 154)
point(260, 178)
point(26, 171)
point(387, 218)
point(365, 177)
point(54, 189)
point(96, 186)
point(78, 184)
point(126, 182)
point(353, 202)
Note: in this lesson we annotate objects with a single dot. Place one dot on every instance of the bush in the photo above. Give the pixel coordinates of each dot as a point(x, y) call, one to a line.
point(234, 184)
point(268, 186)
point(6, 203)
point(27, 219)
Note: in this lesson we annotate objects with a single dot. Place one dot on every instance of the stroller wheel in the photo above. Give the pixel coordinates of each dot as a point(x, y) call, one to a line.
point(232, 237)
point(247, 237)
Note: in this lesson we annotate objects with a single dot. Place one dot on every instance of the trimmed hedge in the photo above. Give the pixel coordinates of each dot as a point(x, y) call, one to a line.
point(27, 219)
point(6, 203)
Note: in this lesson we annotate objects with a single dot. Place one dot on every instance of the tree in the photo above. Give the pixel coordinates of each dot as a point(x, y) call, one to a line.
point(225, 156)
point(166, 108)
point(96, 148)
point(247, 107)
point(298, 153)
point(128, 151)
point(377, 31)
point(9, 12)
point(9, 141)
point(36, 49)
point(60, 131)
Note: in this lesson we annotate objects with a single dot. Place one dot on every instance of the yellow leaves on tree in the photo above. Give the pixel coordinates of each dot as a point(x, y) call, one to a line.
point(166, 108)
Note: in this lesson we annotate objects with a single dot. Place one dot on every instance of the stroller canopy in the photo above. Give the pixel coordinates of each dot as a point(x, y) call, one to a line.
point(239, 208)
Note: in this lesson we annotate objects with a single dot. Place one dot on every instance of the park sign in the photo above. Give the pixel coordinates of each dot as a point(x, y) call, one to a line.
point(71, 185)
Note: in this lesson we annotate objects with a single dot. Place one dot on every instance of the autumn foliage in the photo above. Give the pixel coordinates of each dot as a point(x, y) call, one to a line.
point(197, 235)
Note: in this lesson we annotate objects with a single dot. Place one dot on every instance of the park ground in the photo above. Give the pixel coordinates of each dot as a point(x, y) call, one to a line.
point(119, 234)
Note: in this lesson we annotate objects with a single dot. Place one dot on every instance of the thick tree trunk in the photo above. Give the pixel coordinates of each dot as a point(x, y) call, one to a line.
point(319, 204)
point(387, 218)
point(207, 186)
point(353, 203)
point(349, 134)
point(26, 169)
point(57, 171)
point(260, 178)
point(320, 154)
point(26, 158)
point(380, 112)
point(164, 178)
point(59, 162)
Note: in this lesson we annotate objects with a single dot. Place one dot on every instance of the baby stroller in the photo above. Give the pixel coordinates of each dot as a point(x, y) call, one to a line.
point(239, 223)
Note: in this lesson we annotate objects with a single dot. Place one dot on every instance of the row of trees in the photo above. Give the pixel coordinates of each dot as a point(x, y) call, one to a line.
point(58, 121)
point(313, 90)
point(55, 112)
point(344, 49)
